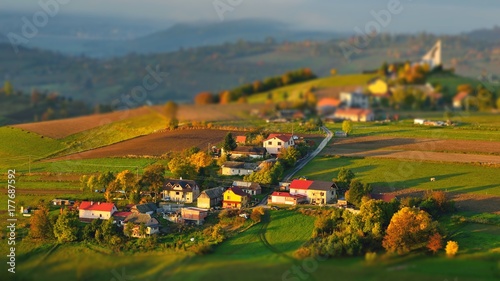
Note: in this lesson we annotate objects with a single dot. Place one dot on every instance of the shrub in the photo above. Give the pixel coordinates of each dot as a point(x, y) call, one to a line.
point(451, 248)
point(302, 253)
point(435, 243)
point(370, 257)
point(201, 248)
point(257, 214)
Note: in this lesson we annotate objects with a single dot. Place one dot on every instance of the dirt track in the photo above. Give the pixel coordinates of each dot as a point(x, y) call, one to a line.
point(417, 149)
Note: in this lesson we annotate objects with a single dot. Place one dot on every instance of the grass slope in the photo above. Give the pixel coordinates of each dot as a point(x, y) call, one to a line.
point(294, 90)
point(114, 132)
point(16, 143)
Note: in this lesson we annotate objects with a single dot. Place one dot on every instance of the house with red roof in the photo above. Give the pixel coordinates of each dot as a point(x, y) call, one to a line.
point(285, 198)
point(241, 140)
point(327, 106)
point(275, 143)
point(355, 114)
point(459, 100)
point(317, 192)
point(90, 210)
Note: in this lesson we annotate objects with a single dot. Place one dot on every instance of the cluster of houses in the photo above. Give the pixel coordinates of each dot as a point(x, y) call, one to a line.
point(272, 145)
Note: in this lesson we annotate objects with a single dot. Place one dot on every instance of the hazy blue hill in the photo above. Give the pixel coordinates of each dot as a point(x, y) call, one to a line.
point(492, 35)
point(204, 34)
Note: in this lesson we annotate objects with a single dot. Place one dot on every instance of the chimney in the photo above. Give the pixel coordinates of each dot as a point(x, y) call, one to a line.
point(91, 203)
point(180, 178)
point(99, 203)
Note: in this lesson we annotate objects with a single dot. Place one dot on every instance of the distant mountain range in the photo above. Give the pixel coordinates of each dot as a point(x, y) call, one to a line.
point(103, 37)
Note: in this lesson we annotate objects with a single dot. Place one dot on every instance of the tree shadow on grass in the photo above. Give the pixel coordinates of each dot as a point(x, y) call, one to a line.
point(397, 182)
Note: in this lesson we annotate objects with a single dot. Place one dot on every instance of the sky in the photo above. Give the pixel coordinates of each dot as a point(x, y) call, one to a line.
point(438, 16)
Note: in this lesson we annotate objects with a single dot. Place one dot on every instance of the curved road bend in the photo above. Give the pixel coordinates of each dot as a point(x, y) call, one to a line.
point(313, 154)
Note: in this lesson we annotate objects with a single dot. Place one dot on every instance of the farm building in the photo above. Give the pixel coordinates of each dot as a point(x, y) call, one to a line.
point(317, 192)
point(353, 99)
point(89, 210)
point(62, 202)
point(254, 152)
point(241, 140)
point(340, 134)
point(327, 106)
point(459, 101)
point(234, 197)
point(210, 198)
point(146, 208)
point(251, 188)
point(152, 225)
point(355, 114)
point(120, 217)
point(286, 198)
point(233, 168)
point(192, 214)
point(180, 190)
point(277, 142)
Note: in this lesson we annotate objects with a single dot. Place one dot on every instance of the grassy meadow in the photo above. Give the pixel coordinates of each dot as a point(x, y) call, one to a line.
point(247, 257)
point(394, 174)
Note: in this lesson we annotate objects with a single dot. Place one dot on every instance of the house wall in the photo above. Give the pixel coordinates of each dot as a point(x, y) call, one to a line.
point(275, 145)
point(91, 214)
point(236, 171)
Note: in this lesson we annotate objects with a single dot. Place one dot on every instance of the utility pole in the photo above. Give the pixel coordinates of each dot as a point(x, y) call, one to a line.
point(29, 164)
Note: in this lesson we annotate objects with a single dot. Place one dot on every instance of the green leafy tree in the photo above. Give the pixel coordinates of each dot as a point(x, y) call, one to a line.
point(105, 179)
point(143, 230)
point(289, 156)
point(66, 227)
point(181, 167)
point(128, 229)
point(229, 143)
point(153, 178)
point(93, 183)
point(357, 191)
point(126, 181)
point(344, 179)
point(90, 229)
point(347, 126)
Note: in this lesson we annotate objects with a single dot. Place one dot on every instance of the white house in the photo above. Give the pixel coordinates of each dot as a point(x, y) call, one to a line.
point(96, 210)
point(317, 192)
point(233, 168)
point(358, 100)
point(275, 143)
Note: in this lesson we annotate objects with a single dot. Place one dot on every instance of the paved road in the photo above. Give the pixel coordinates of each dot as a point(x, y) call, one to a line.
point(306, 160)
point(313, 154)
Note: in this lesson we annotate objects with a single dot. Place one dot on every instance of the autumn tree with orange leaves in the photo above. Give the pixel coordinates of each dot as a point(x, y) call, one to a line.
point(408, 230)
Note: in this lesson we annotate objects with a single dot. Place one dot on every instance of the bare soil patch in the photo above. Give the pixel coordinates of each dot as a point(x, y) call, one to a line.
point(154, 145)
point(417, 149)
point(59, 129)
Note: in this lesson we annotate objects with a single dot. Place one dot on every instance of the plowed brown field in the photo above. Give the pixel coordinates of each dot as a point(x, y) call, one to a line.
point(155, 144)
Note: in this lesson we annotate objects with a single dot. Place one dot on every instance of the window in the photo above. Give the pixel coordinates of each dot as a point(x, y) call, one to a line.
point(270, 143)
point(177, 193)
point(279, 143)
point(228, 197)
point(100, 215)
point(279, 149)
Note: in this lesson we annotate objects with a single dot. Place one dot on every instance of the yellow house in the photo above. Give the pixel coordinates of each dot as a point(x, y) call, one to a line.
point(234, 197)
point(378, 87)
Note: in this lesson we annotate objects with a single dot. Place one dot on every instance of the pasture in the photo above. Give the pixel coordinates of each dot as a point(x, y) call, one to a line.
point(245, 257)
point(394, 174)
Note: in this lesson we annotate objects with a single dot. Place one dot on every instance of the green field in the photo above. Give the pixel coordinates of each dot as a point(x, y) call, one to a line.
point(294, 90)
point(472, 127)
point(17, 144)
point(398, 174)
